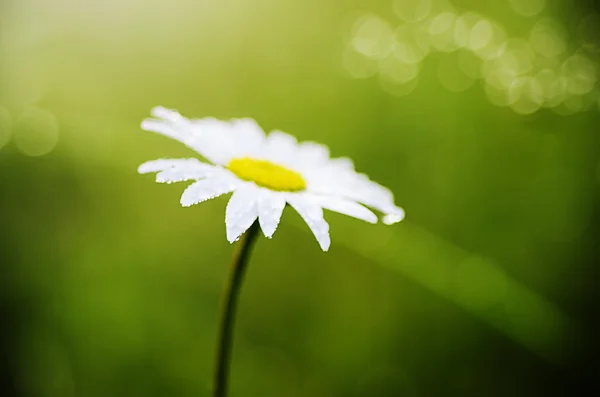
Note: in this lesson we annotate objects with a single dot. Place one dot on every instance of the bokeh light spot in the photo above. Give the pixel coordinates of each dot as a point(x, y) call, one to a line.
point(441, 30)
point(528, 8)
point(580, 73)
point(525, 95)
point(398, 70)
point(547, 38)
point(495, 46)
point(463, 26)
point(36, 132)
point(518, 56)
point(481, 35)
point(411, 44)
point(525, 73)
point(372, 37)
point(442, 23)
point(358, 66)
point(412, 10)
point(547, 80)
point(496, 87)
point(498, 77)
point(557, 92)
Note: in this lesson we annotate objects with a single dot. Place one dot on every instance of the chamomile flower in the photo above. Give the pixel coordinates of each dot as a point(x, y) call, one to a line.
point(265, 172)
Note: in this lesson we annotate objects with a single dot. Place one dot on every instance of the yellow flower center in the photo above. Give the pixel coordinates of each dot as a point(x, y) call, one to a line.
point(267, 174)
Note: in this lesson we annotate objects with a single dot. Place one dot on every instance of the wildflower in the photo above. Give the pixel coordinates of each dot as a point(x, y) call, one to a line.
point(265, 172)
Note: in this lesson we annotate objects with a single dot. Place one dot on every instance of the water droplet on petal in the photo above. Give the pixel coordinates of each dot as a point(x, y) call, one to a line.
point(390, 219)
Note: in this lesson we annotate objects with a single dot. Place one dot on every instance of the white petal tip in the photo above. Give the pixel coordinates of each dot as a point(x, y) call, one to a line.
point(146, 168)
point(186, 203)
point(325, 245)
point(232, 238)
point(390, 219)
point(162, 112)
point(267, 231)
point(372, 220)
point(147, 124)
point(162, 178)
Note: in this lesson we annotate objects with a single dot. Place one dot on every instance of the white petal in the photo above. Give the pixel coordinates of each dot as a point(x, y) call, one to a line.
point(207, 189)
point(197, 172)
point(216, 140)
point(346, 207)
point(342, 163)
point(346, 183)
point(225, 140)
point(178, 170)
point(394, 217)
point(165, 164)
point(205, 136)
point(313, 153)
point(163, 128)
point(167, 114)
point(281, 148)
point(282, 140)
point(378, 197)
point(241, 211)
point(270, 209)
point(170, 123)
point(312, 214)
point(249, 137)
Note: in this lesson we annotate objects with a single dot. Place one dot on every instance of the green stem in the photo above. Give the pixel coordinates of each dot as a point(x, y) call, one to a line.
point(230, 297)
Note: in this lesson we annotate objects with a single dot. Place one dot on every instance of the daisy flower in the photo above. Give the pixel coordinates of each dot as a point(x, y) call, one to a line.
point(265, 172)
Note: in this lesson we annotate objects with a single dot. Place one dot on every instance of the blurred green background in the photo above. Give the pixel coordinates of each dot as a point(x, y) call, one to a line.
point(108, 287)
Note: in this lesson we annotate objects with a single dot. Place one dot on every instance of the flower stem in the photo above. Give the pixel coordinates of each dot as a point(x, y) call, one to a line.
point(230, 296)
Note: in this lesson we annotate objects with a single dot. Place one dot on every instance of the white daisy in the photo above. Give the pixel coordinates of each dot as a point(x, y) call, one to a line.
point(265, 172)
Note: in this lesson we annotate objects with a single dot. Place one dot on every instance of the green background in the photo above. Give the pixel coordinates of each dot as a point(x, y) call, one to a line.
point(108, 287)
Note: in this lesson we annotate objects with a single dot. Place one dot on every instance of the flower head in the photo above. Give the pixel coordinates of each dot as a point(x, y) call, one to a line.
point(265, 172)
